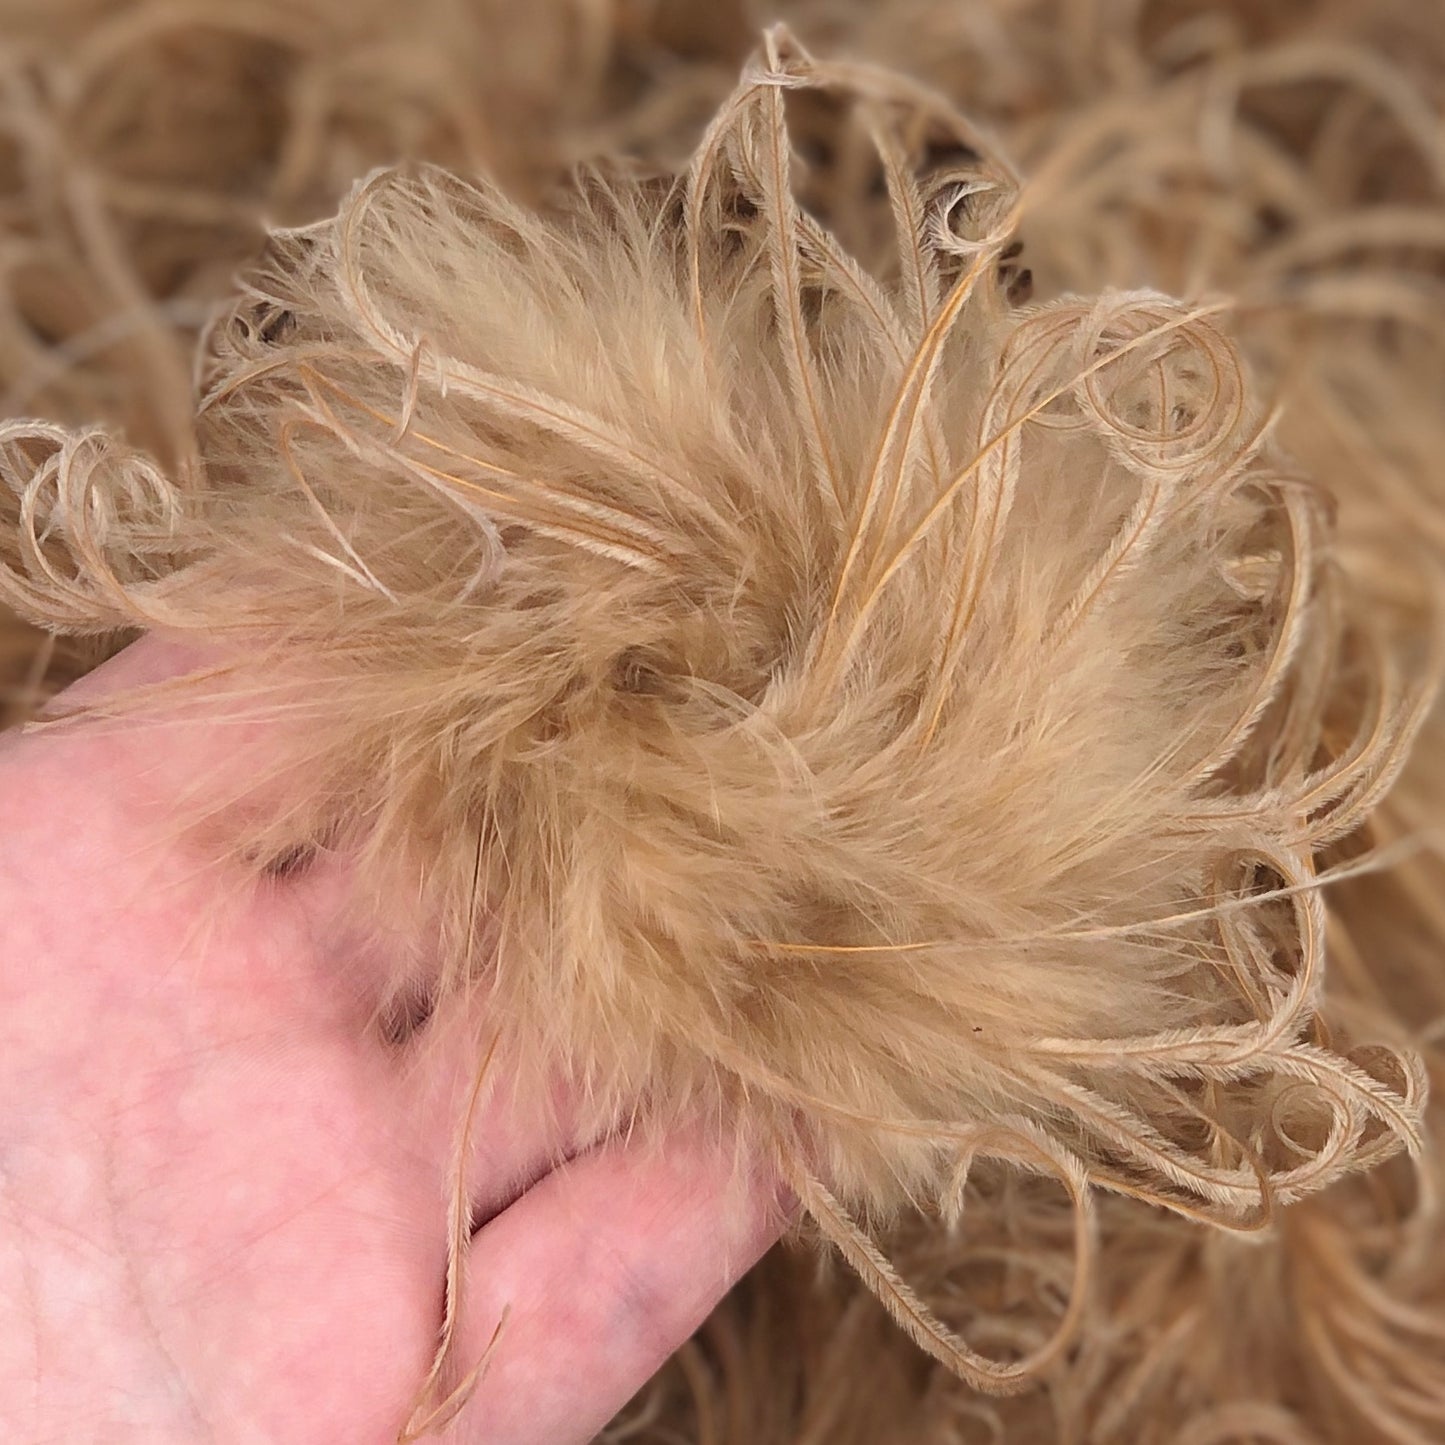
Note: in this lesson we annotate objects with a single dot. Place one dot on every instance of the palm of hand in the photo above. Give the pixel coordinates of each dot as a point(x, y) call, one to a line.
point(222, 1197)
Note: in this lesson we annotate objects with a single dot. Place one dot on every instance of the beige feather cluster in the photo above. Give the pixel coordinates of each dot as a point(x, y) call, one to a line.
point(910, 728)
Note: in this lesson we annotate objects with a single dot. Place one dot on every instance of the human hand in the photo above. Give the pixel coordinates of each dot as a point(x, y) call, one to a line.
point(223, 1196)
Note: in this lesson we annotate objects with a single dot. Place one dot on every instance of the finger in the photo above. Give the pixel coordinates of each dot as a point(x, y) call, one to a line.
point(157, 734)
point(149, 660)
point(163, 736)
point(163, 754)
point(171, 724)
point(493, 1123)
point(42, 745)
point(90, 792)
point(596, 1275)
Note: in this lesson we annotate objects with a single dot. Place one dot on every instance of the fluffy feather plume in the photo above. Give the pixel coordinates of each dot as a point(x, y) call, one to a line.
point(910, 729)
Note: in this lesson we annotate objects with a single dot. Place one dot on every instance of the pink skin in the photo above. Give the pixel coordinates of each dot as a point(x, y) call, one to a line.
point(223, 1198)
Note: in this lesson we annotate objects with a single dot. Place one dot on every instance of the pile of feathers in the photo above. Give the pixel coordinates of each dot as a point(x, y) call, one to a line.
point(882, 565)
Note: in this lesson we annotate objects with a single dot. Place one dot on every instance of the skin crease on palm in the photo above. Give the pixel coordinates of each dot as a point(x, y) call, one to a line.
point(223, 1197)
